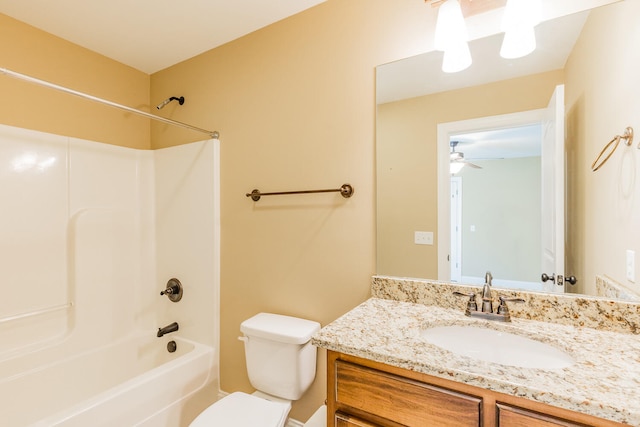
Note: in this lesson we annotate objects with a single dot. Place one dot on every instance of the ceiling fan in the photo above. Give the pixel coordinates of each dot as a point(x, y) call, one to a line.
point(458, 157)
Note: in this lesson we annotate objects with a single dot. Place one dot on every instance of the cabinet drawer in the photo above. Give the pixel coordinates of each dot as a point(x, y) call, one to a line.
point(408, 402)
point(343, 420)
point(512, 416)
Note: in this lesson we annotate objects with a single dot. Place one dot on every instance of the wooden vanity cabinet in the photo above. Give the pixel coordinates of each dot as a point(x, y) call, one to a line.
point(363, 393)
point(343, 420)
point(518, 417)
point(404, 400)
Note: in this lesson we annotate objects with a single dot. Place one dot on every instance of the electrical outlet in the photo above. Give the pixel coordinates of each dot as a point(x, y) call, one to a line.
point(423, 238)
point(631, 265)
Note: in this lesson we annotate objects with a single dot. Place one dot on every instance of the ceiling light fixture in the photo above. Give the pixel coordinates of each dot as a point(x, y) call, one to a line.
point(451, 37)
point(455, 167)
point(520, 18)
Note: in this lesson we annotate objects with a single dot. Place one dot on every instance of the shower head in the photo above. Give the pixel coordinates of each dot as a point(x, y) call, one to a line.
point(168, 100)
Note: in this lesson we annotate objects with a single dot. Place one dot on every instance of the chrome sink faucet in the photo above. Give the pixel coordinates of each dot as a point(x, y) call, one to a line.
point(501, 314)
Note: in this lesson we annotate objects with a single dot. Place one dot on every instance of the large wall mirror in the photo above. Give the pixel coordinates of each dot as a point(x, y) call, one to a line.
point(516, 200)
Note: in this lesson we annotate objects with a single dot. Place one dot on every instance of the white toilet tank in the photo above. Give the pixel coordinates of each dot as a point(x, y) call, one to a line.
point(280, 358)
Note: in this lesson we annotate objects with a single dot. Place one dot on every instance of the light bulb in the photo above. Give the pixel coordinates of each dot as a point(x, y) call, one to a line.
point(521, 13)
point(520, 18)
point(456, 58)
point(450, 26)
point(455, 167)
point(518, 43)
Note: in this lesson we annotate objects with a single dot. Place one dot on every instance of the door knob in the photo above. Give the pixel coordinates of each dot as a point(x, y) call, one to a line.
point(571, 279)
point(545, 277)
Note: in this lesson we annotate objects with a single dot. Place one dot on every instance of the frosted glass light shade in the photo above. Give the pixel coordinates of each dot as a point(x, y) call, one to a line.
point(455, 167)
point(518, 43)
point(456, 58)
point(450, 27)
point(521, 13)
point(520, 18)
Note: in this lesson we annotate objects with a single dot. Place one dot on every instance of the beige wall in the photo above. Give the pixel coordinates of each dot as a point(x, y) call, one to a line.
point(600, 104)
point(407, 161)
point(30, 51)
point(294, 103)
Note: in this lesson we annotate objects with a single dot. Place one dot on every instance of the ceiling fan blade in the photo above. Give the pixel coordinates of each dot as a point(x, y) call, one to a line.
point(473, 166)
point(485, 158)
point(464, 162)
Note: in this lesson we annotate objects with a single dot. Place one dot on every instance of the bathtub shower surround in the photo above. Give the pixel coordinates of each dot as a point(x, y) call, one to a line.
point(121, 384)
point(91, 234)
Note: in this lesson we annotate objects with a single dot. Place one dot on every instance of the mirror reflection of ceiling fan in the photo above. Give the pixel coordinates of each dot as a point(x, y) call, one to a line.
point(494, 144)
point(456, 159)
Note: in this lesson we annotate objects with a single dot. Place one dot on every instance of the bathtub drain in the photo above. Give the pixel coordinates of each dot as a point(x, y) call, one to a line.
point(171, 346)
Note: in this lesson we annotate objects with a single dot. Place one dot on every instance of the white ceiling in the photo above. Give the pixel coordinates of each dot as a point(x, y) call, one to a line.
point(151, 35)
point(515, 142)
point(421, 75)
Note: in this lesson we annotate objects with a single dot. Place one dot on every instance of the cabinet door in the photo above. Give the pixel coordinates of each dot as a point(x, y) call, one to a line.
point(511, 416)
point(403, 401)
point(343, 420)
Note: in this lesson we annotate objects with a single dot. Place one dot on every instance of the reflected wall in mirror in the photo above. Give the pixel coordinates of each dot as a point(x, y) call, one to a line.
point(498, 203)
point(595, 63)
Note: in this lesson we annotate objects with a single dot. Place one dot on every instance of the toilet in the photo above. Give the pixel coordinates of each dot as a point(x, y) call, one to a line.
point(281, 363)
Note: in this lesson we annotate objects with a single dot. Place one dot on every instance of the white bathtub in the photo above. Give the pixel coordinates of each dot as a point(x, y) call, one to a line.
point(122, 384)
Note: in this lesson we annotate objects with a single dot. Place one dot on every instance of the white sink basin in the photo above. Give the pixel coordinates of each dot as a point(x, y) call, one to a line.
point(497, 347)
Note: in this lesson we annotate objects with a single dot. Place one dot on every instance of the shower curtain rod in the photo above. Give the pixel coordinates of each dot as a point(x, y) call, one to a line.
point(7, 72)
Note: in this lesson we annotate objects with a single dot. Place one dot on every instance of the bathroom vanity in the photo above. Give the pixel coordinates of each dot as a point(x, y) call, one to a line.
point(382, 371)
point(367, 393)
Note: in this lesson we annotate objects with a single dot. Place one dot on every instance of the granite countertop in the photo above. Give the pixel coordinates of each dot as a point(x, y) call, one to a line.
point(604, 381)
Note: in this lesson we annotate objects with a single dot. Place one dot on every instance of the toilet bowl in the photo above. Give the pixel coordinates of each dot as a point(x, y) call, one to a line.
point(281, 363)
point(243, 410)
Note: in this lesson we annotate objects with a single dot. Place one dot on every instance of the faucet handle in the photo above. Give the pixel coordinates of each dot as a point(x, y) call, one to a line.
point(471, 304)
point(503, 308)
point(173, 290)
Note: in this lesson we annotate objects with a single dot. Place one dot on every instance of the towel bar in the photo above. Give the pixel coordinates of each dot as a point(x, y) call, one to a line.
point(346, 191)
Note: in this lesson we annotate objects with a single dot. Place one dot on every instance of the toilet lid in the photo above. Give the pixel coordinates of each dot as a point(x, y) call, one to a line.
point(242, 410)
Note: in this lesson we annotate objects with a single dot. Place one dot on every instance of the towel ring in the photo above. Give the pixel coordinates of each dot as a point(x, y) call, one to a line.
point(628, 140)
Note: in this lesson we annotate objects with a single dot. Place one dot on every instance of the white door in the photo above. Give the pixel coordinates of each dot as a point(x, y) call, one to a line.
point(456, 229)
point(553, 163)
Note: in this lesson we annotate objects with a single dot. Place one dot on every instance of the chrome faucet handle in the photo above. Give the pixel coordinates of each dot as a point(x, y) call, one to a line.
point(503, 308)
point(471, 304)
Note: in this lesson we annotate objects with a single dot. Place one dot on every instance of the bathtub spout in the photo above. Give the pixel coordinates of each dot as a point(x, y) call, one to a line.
point(167, 329)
